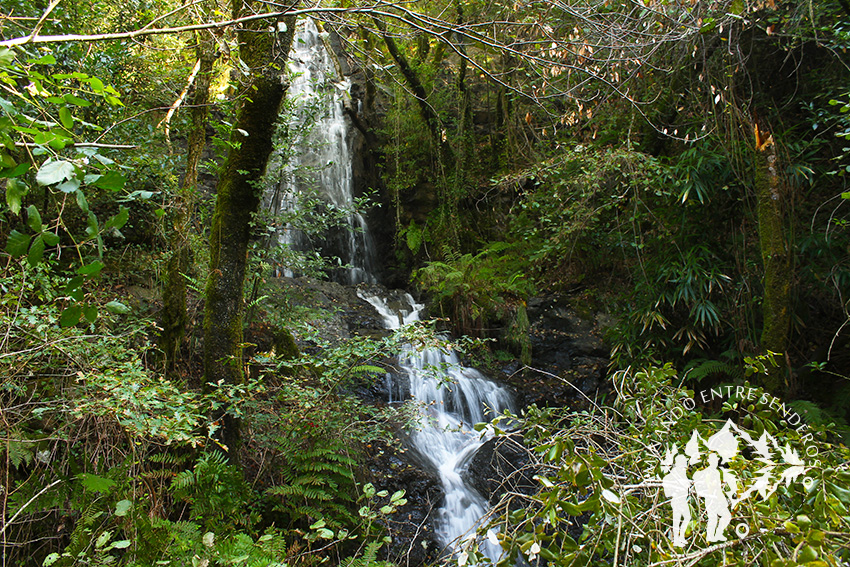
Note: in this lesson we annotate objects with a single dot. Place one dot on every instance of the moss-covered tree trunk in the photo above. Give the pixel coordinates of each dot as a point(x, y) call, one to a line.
point(776, 258)
point(174, 291)
point(264, 51)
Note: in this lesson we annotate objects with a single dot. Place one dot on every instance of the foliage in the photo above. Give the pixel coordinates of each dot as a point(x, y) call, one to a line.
point(478, 290)
point(599, 496)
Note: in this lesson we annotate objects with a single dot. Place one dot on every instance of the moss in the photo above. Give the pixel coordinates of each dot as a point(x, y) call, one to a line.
point(284, 344)
point(236, 203)
point(776, 258)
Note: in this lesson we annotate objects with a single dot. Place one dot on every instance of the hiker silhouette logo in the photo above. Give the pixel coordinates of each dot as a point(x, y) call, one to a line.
point(702, 478)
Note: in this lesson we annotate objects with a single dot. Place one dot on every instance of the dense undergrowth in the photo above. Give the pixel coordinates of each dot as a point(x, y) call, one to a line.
point(107, 460)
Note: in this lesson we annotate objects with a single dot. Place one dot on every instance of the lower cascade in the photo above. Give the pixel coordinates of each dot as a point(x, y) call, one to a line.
point(452, 399)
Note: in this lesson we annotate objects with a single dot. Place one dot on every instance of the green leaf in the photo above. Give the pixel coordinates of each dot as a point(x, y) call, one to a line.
point(95, 483)
point(51, 559)
point(117, 307)
point(15, 192)
point(70, 317)
point(325, 533)
point(123, 507)
point(50, 239)
point(33, 218)
point(75, 100)
point(16, 171)
point(36, 251)
point(43, 60)
point(102, 539)
point(18, 244)
point(318, 524)
point(82, 202)
point(74, 283)
point(6, 58)
point(69, 186)
point(90, 269)
point(111, 181)
point(66, 118)
point(55, 172)
point(96, 84)
point(90, 313)
point(118, 220)
point(122, 544)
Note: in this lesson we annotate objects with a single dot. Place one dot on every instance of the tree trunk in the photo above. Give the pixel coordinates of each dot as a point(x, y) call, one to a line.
point(238, 197)
point(174, 292)
point(425, 109)
point(776, 257)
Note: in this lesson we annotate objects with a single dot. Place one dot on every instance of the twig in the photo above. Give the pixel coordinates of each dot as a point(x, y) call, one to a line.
point(178, 102)
point(41, 20)
point(24, 507)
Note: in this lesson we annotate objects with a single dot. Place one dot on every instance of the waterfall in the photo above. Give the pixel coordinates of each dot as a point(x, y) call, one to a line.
point(320, 163)
point(452, 399)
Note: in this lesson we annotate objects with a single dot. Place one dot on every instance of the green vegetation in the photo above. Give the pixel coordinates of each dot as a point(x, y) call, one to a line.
point(165, 401)
point(600, 473)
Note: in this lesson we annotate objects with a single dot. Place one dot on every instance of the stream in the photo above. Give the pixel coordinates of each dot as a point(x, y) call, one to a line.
point(451, 398)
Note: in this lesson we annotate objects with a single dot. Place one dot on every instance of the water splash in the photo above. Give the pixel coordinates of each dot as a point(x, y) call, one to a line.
point(452, 398)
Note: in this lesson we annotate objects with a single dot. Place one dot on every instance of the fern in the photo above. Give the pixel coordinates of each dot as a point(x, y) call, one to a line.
point(368, 559)
point(702, 368)
point(319, 483)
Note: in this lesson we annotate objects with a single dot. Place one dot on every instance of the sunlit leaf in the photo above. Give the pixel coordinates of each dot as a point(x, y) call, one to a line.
point(117, 307)
point(55, 172)
point(66, 118)
point(122, 507)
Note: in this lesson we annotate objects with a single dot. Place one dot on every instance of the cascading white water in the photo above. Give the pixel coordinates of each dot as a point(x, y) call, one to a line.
point(321, 163)
point(452, 399)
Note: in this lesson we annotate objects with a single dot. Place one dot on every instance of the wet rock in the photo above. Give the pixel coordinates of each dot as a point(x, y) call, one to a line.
point(502, 465)
point(393, 468)
point(569, 356)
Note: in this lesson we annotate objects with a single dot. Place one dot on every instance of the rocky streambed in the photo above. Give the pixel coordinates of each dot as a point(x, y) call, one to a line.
point(568, 367)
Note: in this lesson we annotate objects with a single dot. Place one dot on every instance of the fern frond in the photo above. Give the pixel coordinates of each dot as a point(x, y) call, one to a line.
point(700, 369)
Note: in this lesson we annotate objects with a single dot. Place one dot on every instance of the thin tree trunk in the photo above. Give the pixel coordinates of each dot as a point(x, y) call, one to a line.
point(776, 257)
point(264, 51)
point(174, 315)
point(425, 110)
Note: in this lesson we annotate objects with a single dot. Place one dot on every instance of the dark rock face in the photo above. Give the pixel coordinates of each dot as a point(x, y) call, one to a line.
point(569, 356)
point(395, 468)
point(501, 465)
